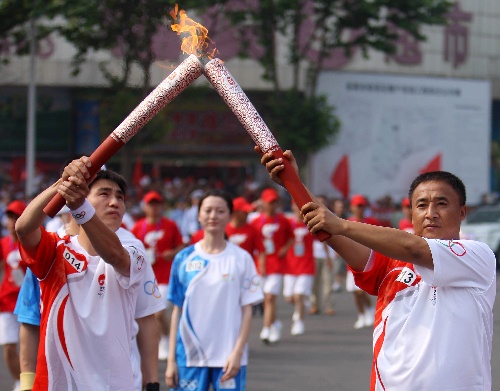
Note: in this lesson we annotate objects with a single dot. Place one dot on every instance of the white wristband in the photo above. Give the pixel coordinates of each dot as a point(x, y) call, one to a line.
point(84, 213)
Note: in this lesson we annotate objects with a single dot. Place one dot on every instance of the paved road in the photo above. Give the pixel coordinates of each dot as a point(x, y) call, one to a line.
point(330, 356)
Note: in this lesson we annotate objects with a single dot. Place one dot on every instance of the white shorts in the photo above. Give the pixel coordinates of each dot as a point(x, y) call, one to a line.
point(297, 285)
point(9, 328)
point(163, 288)
point(350, 285)
point(272, 284)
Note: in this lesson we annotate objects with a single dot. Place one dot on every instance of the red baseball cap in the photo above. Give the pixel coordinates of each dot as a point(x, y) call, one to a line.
point(241, 204)
point(151, 196)
point(406, 202)
point(358, 200)
point(16, 207)
point(269, 195)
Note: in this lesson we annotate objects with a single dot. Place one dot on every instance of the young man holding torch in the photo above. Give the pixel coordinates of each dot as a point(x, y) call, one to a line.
point(434, 314)
point(89, 283)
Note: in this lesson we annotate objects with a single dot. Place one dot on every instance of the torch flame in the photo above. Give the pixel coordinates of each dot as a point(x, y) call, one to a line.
point(195, 40)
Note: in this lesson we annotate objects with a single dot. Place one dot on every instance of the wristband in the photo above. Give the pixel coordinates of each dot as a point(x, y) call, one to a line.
point(152, 387)
point(26, 380)
point(84, 213)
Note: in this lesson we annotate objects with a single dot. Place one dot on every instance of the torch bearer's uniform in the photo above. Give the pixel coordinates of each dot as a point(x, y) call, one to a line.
point(87, 312)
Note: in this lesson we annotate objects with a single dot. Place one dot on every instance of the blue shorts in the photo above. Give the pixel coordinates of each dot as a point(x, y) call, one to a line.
point(200, 379)
point(28, 302)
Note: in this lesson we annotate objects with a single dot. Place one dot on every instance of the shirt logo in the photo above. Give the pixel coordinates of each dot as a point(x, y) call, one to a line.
point(252, 284)
point(194, 266)
point(102, 288)
point(139, 258)
point(151, 288)
point(455, 247)
point(407, 276)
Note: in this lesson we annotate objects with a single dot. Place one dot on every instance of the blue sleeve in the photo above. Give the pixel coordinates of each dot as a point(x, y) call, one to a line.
point(28, 302)
point(176, 289)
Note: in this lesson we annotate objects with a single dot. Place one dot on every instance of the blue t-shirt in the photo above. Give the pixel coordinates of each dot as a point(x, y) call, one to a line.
point(28, 302)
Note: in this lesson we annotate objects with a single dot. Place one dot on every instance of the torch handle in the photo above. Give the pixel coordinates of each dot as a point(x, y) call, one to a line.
point(296, 188)
point(98, 158)
point(187, 71)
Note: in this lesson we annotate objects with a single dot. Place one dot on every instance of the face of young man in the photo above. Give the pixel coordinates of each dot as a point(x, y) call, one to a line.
point(108, 201)
point(436, 211)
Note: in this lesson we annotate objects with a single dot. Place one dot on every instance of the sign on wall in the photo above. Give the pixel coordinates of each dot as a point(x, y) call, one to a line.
point(395, 127)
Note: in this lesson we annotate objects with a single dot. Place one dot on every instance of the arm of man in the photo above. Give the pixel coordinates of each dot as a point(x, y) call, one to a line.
point(171, 373)
point(147, 342)
point(233, 363)
point(28, 224)
point(107, 244)
point(352, 240)
point(104, 241)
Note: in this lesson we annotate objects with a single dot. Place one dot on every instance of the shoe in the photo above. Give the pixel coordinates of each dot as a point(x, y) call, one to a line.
point(329, 312)
point(369, 317)
point(264, 334)
point(360, 322)
point(163, 348)
point(313, 310)
point(275, 331)
point(298, 328)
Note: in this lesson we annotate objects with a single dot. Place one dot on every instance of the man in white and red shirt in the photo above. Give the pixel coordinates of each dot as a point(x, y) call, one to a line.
point(276, 235)
point(299, 270)
point(434, 315)
point(240, 232)
point(163, 240)
point(89, 284)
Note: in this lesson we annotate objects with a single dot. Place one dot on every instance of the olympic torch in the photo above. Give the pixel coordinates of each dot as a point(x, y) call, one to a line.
point(197, 42)
point(187, 71)
point(230, 91)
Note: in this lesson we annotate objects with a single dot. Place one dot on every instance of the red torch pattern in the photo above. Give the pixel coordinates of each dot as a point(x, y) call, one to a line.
point(230, 91)
point(187, 71)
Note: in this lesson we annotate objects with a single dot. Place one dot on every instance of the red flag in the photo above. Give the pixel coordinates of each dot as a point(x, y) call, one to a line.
point(340, 176)
point(136, 178)
point(433, 165)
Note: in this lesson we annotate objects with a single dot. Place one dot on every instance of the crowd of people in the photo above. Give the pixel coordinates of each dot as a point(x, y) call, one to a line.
point(178, 274)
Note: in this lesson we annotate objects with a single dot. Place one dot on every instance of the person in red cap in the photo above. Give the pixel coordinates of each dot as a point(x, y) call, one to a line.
point(14, 271)
point(238, 230)
point(299, 271)
point(277, 236)
point(405, 222)
point(362, 300)
point(163, 241)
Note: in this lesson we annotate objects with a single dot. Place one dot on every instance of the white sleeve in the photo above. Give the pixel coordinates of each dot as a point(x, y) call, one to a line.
point(149, 299)
point(459, 263)
point(251, 290)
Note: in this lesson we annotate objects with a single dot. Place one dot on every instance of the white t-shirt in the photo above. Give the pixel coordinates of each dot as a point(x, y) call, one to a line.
point(211, 289)
point(433, 328)
point(87, 316)
point(149, 301)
